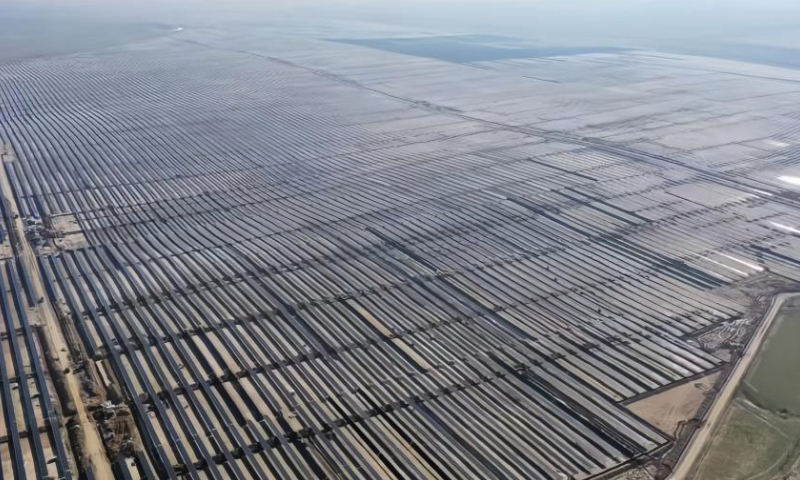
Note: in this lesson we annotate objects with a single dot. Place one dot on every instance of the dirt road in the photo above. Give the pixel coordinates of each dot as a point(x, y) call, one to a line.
point(684, 468)
point(92, 447)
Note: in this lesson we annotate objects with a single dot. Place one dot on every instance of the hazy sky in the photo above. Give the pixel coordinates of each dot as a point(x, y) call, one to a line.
point(605, 18)
point(659, 24)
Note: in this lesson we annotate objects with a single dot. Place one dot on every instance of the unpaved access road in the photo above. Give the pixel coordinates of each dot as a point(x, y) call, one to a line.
point(92, 447)
point(685, 467)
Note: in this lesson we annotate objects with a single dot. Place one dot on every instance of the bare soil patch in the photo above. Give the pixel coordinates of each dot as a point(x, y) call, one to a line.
point(667, 410)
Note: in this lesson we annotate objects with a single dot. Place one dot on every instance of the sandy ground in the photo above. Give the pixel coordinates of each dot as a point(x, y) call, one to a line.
point(683, 470)
point(93, 448)
point(668, 409)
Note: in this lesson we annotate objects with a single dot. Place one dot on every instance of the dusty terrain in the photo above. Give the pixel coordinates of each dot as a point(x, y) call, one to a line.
point(667, 410)
point(92, 446)
point(722, 411)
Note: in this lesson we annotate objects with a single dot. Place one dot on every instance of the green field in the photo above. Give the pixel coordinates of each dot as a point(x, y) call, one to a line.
point(759, 438)
point(774, 382)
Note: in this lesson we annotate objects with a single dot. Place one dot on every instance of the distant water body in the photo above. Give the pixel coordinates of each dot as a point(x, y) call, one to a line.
point(472, 48)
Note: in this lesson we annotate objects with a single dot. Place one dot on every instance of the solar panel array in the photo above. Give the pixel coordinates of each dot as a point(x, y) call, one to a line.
point(292, 271)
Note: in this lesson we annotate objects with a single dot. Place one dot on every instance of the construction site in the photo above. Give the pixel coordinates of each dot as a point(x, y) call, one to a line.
point(269, 255)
